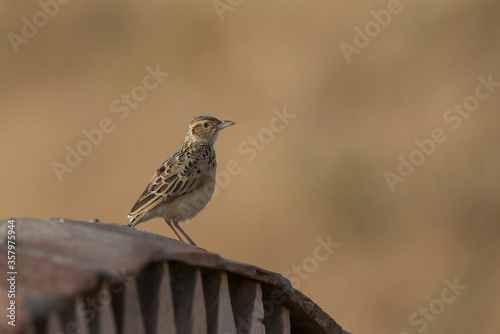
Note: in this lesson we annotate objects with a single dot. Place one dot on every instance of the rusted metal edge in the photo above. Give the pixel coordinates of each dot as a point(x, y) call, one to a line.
point(69, 257)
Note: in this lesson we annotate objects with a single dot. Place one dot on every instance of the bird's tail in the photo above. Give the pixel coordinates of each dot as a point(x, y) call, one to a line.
point(134, 220)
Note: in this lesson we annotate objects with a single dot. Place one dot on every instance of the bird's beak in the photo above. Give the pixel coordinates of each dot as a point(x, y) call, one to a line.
point(225, 124)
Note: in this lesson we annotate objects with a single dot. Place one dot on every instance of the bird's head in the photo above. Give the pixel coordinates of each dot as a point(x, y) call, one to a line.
point(206, 128)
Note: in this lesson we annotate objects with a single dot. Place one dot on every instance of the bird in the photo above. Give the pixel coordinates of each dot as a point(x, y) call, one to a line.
point(184, 184)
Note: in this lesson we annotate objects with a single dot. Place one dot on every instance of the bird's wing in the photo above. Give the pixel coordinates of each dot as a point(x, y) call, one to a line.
point(180, 174)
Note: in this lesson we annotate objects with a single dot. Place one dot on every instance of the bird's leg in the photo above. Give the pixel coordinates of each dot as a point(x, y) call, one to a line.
point(173, 229)
point(176, 224)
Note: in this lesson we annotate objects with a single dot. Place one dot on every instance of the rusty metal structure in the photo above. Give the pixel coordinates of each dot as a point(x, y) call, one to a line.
point(92, 278)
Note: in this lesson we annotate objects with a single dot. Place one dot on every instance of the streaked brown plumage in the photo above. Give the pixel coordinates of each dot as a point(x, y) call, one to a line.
point(185, 182)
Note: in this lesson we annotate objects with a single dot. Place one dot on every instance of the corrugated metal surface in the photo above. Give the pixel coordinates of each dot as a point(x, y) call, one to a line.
point(86, 277)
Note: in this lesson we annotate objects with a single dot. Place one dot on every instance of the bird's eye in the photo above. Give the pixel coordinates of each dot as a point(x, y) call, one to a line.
point(205, 125)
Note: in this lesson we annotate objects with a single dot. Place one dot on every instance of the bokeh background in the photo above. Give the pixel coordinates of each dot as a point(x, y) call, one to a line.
point(321, 176)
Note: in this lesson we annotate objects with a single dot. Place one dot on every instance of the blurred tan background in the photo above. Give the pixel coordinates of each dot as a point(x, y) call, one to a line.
point(321, 176)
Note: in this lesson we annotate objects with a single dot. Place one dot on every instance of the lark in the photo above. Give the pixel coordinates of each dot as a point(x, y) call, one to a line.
point(185, 182)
